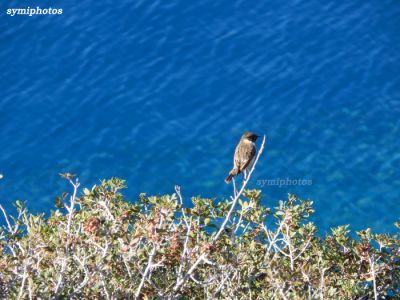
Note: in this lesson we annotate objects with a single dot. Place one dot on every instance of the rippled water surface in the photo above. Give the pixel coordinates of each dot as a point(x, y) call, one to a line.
point(159, 92)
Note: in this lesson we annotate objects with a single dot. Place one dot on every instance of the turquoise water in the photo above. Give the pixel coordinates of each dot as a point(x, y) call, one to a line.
point(159, 92)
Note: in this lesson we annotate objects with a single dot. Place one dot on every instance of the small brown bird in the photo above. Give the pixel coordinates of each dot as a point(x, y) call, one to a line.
point(245, 152)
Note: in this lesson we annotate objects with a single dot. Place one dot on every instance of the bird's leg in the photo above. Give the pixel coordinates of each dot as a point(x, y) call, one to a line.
point(244, 175)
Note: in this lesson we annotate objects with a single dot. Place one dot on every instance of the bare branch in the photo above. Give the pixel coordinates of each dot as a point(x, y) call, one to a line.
point(146, 271)
point(237, 196)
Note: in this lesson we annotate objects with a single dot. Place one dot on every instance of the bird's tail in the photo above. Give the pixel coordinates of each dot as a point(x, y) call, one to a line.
point(232, 173)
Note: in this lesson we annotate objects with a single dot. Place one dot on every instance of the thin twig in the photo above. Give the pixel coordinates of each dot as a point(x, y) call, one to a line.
point(237, 196)
point(181, 281)
point(146, 271)
point(6, 217)
point(372, 265)
point(178, 192)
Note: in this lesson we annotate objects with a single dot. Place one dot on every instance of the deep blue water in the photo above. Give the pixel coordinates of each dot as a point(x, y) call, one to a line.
point(159, 92)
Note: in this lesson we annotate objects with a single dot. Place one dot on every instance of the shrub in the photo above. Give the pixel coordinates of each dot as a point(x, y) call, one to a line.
point(106, 247)
point(97, 245)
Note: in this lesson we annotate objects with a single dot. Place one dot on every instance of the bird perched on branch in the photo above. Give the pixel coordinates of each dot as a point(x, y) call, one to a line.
point(245, 152)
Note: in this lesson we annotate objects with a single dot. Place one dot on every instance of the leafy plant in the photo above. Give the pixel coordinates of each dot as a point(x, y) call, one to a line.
point(97, 245)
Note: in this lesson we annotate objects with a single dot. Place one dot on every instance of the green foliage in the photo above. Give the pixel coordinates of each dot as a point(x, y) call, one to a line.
point(99, 245)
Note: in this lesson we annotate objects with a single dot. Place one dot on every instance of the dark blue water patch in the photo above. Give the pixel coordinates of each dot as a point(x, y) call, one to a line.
point(159, 93)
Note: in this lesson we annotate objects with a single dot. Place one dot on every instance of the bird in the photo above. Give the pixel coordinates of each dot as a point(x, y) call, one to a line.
point(245, 152)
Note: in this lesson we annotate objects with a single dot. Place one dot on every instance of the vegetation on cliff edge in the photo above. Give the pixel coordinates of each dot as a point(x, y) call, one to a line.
point(98, 245)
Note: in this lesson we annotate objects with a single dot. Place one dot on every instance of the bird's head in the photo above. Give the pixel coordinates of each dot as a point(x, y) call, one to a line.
point(251, 136)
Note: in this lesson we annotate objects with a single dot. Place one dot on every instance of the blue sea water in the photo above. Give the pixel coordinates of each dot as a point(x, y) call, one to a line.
point(159, 92)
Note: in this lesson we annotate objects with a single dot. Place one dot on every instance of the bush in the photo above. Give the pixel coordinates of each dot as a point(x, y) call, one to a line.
point(97, 245)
